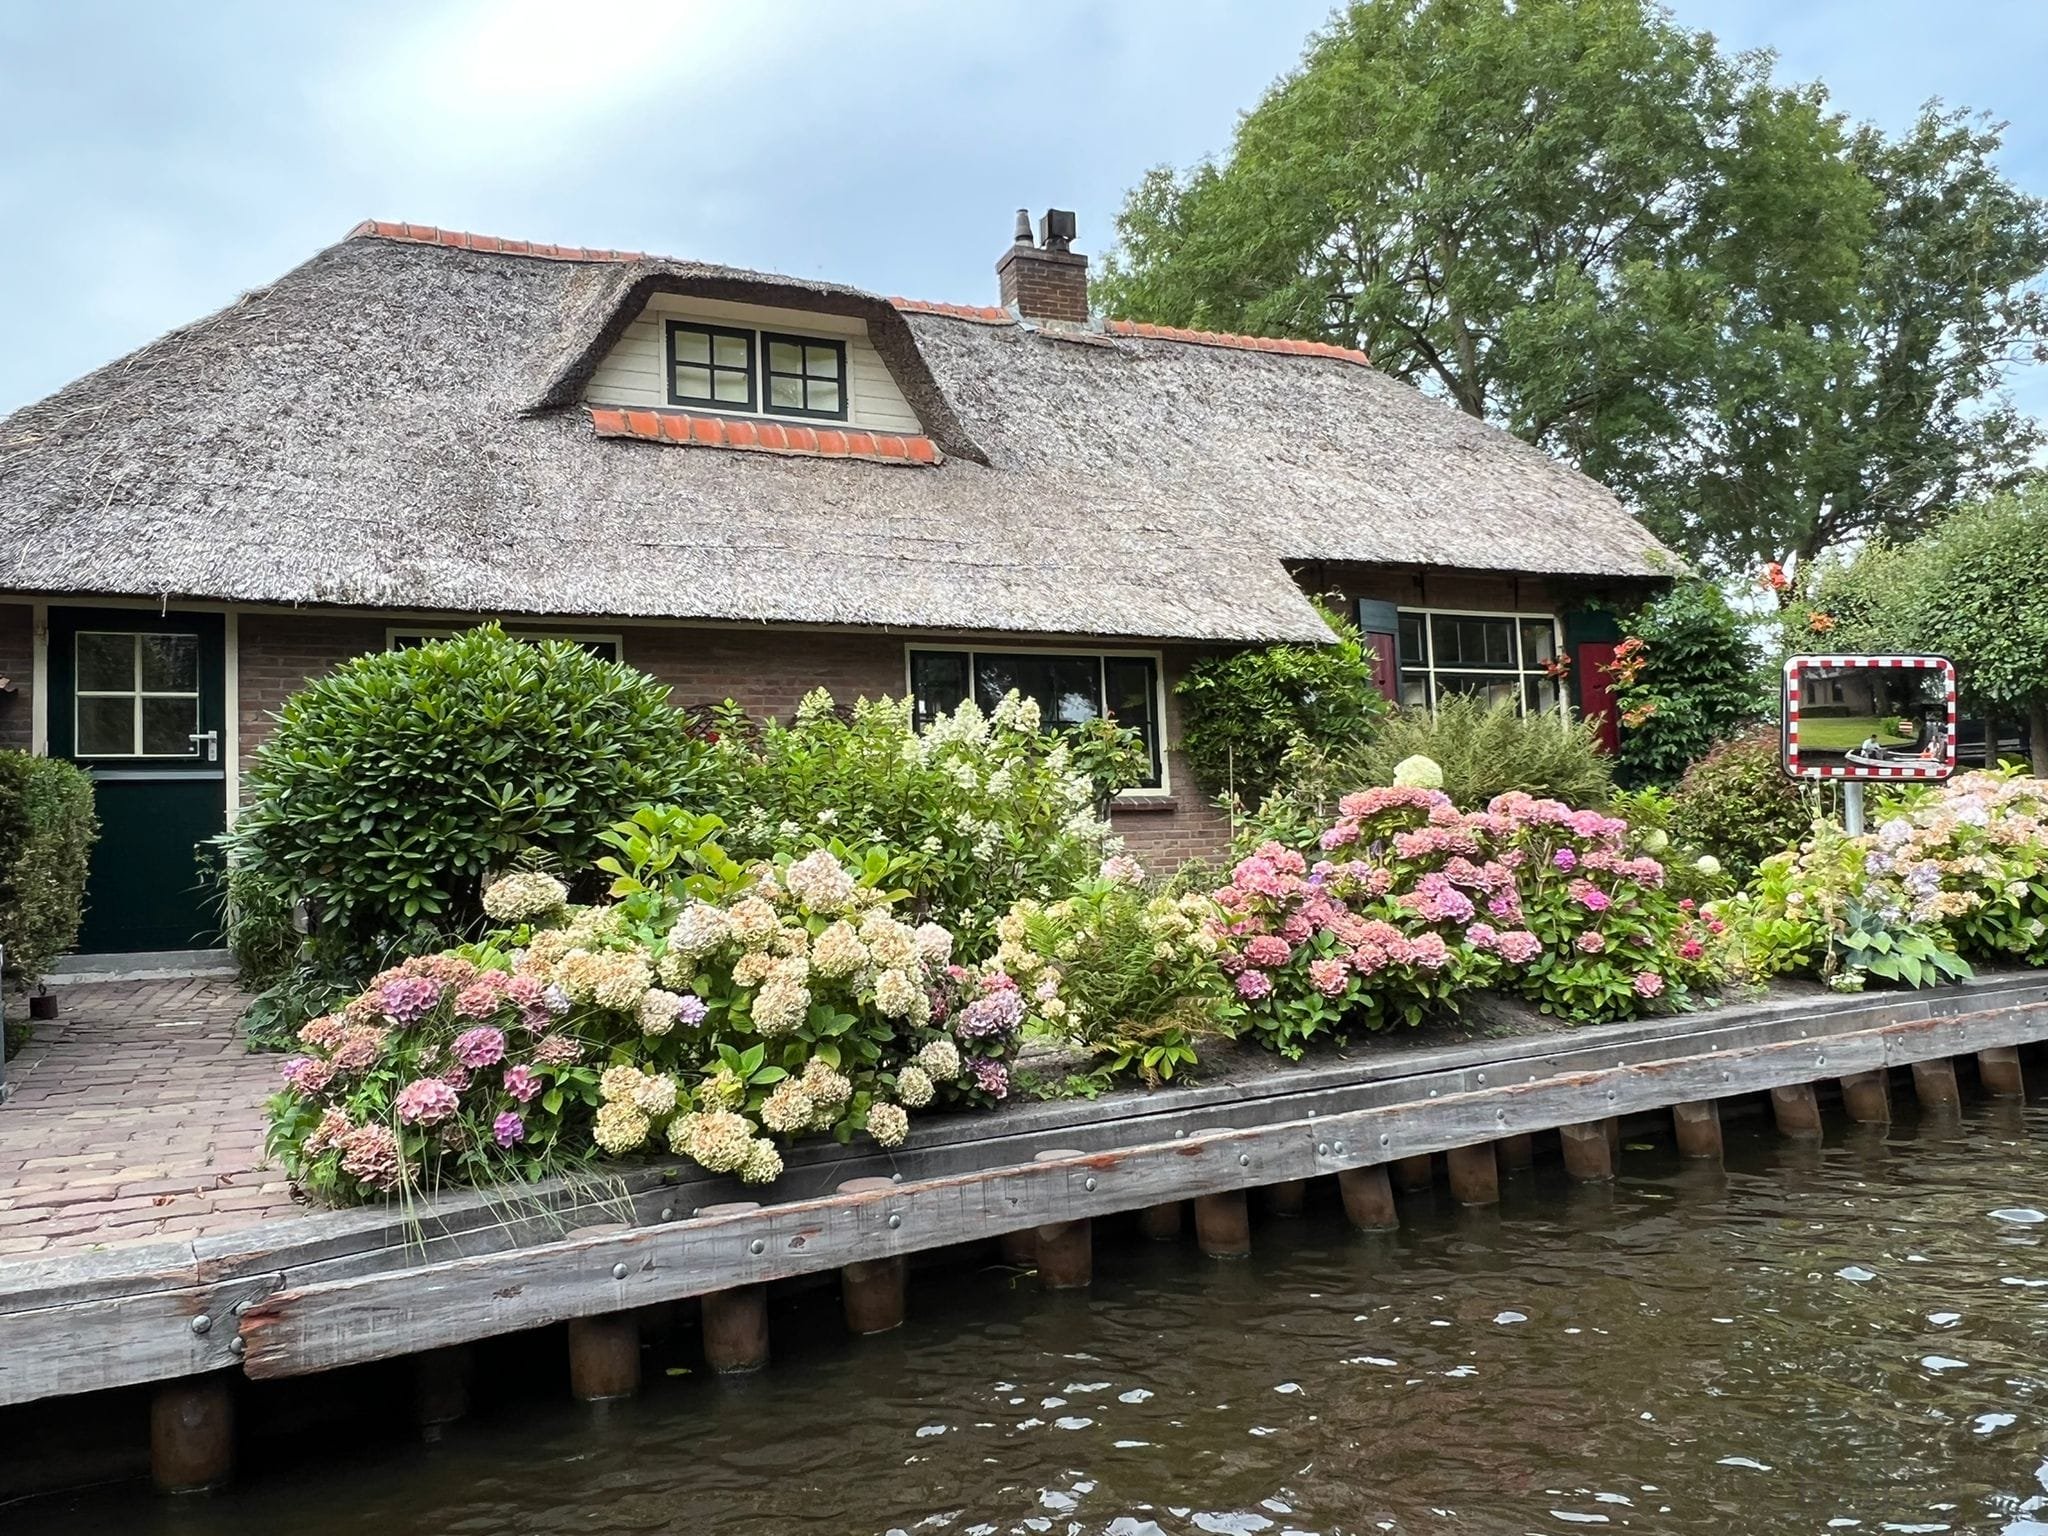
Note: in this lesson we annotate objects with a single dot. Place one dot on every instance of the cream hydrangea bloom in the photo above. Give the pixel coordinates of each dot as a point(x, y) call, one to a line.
point(780, 1006)
point(895, 994)
point(752, 968)
point(824, 1084)
point(889, 1124)
point(620, 1128)
point(524, 895)
point(606, 978)
point(618, 1084)
point(658, 1012)
point(655, 1094)
point(838, 951)
point(819, 881)
point(787, 1109)
point(914, 1086)
point(763, 1164)
point(700, 929)
point(753, 921)
point(719, 1141)
point(934, 944)
point(941, 1058)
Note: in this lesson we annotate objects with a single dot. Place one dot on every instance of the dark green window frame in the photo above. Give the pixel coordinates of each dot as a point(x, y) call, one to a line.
point(1124, 686)
point(713, 368)
point(804, 377)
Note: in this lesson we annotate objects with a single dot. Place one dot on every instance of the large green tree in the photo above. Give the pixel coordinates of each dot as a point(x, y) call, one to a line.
point(1772, 333)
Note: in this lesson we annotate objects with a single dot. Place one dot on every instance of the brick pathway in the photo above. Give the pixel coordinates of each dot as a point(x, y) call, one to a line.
point(136, 1115)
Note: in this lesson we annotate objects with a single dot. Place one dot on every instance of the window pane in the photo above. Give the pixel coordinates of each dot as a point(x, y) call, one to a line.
point(1490, 688)
point(170, 663)
point(938, 681)
point(1074, 684)
point(1132, 685)
point(824, 397)
point(1538, 693)
point(1415, 690)
point(693, 347)
point(1412, 641)
point(731, 352)
point(995, 676)
point(785, 357)
point(821, 362)
point(693, 383)
point(786, 394)
point(167, 726)
point(732, 388)
point(106, 663)
point(106, 727)
point(1539, 643)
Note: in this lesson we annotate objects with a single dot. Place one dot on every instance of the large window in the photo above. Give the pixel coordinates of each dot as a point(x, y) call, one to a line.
point(1070, 689)
point(743, 371)
point(1493, 655)
point(136, 695)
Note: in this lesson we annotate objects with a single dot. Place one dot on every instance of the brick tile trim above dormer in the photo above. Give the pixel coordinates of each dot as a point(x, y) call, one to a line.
point(753, 435)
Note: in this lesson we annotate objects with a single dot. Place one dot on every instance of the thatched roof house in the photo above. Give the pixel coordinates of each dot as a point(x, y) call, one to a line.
point(748, 483)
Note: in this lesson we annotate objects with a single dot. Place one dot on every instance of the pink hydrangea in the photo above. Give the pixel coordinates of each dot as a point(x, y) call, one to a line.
point(990, 1076)
point(480, 1047)
point(521, 1083)
point(1590, 896)
point(558, 1051)
point(1329, 977)
point(1591, 942)
point(1429, 951)
point(1268, 951)
point(1518, 946)
point(1482, 936)
point(1649, 984)
point(408, 999)
point(1565, 860)
point(306, 1076)
point(1436, 900)
point(1254, 985)
point(1691, 949)
point(508, 1129)
point(481, 999)
point(427, 1101)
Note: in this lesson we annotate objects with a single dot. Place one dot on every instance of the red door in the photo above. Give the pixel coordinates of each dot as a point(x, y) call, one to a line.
point(1596, 690)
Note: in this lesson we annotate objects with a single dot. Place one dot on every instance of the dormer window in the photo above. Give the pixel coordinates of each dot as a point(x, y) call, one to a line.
point(732, 370)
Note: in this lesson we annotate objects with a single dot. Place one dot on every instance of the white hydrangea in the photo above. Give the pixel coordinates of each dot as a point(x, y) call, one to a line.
point(655, 1094)
point(753, 922)
point(838, 951)
point(891, 944)
point(940, 1058)
point(820, 882)
point(1418, 772)
point(658, 1011)
point(524, 895)
point(763, 1164)
point(889, 1124)
point(787, 1109)
point(814, 707)
point(934, 944)
point(620, 1128)
point(699, 930)
point(780, 1006)
point(752, 968)
point(914, 1086)
point(895, 994)
point(826, 1086)
point(719, 1140)
point(1016, 712)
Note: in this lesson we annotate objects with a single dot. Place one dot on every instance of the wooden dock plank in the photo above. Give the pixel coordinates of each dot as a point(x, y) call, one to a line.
point(378, 1316)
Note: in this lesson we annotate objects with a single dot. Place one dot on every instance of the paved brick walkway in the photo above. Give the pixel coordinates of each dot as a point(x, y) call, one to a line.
point(136, 1115)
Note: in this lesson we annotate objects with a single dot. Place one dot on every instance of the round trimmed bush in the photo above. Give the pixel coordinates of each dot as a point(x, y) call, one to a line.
point(395, 784)
point(1736, 803)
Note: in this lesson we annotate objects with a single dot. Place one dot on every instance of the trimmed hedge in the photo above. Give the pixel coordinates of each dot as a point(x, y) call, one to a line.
point(47, 829)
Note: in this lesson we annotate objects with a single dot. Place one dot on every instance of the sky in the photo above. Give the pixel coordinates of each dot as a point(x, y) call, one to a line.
point(159, 157)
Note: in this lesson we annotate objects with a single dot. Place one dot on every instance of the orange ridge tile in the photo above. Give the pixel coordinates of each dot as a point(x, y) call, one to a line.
point(1292, 346)
point(686, 427)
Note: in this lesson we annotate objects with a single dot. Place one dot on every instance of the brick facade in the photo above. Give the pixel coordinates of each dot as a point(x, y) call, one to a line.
point(766, 670)
point(1044, 285)
point(17, 663)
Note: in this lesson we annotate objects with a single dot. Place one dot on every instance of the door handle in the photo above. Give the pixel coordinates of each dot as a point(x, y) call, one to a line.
point(212, 740)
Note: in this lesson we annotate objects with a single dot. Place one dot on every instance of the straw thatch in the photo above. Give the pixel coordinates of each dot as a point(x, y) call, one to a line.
point(397, 425)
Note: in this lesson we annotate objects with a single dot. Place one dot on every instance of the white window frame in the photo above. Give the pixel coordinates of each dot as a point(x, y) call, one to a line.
point(1159, 791)
point(1431, 670)
point(393, 634)
point(138, 694)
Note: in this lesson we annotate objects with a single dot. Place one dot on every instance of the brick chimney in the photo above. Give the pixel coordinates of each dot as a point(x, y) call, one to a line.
point(1045, 280)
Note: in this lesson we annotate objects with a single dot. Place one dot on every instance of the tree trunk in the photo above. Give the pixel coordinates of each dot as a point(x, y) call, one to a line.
point(2037, 724)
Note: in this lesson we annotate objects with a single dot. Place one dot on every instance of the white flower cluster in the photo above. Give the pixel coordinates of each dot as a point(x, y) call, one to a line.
point(524, 895)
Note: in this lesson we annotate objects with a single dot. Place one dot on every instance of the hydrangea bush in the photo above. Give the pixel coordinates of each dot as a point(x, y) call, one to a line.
point(1415, 903)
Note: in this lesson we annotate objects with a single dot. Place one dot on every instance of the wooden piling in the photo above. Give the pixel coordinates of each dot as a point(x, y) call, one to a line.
point(1475, 1175)
point(440, 1387)
point(1518, 1152)
point(1223, 1225)
point(1066, 1249)
point(735, 1322)
point(1286, 1198)
point(1588, 1153)
point(1998, 1069)
point(1020, 1248)
point(604, 1357)
point(1796, 1110)
point(1698, 1128)
point(192, 1433)
point(1867, 1096)
point(1368, 1197)
point(872, 1290)
point(1415, 1174)
point(1934, 1084)
point(1160, 1223)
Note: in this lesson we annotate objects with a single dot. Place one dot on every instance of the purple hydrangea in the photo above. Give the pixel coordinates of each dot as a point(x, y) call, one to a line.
point(691, 1009)
point(481, 1047)
point(555, 1000)
point(992, 1017)
point(521, 1083)
point(408, 999)
point(990, 1076)
point(1565, 860)
point(508, 1129)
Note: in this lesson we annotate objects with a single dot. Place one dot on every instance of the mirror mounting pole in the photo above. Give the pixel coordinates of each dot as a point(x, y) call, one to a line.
point(1852, 806)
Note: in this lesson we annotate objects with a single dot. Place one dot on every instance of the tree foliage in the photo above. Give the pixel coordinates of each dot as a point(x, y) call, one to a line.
point(1770, 331)
point(1684, 677)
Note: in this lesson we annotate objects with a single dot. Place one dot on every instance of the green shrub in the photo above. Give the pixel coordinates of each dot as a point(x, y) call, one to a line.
point(981, 809)
point(1684, 677)
point(1242, 714)
point(1737, 804)
point(393, 786)
point(47, 829)
point(1483, 750)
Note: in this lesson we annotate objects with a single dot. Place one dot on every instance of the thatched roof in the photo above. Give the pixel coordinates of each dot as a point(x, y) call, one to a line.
point(395, 424)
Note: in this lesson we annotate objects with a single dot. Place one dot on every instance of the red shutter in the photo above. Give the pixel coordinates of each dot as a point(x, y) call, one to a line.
point(1384, 677)
point(1596, 691)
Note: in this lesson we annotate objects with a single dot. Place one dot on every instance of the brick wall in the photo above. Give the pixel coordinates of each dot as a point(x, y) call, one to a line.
point(766, 670)
point(1044, 285)
point(17, 661)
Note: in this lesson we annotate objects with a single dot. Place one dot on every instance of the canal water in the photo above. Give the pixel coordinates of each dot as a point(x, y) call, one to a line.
point(1844, 1338)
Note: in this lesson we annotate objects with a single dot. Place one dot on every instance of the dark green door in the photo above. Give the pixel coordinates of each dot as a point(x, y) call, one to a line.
point(138, 700)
